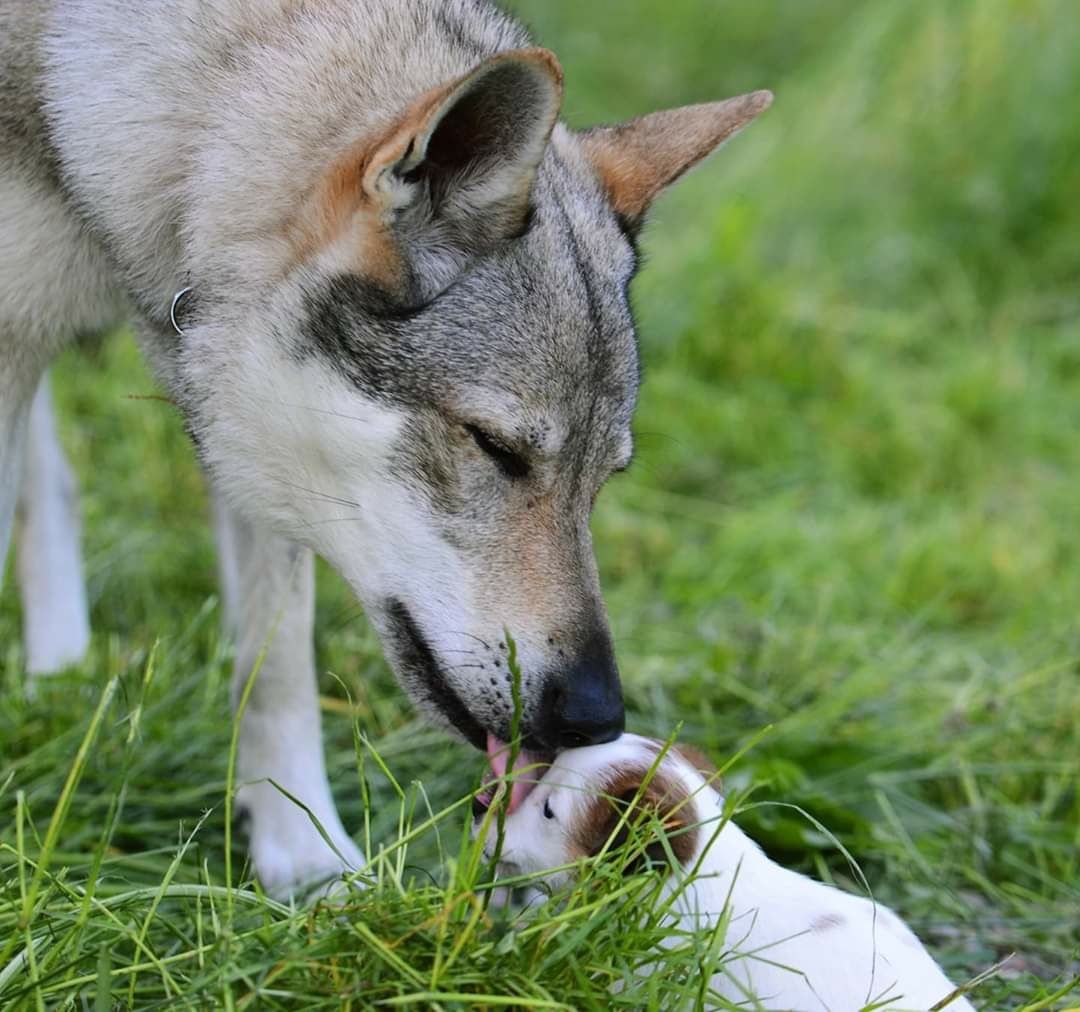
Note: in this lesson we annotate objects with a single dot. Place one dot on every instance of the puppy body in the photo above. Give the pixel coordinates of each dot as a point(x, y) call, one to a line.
point(790, 942)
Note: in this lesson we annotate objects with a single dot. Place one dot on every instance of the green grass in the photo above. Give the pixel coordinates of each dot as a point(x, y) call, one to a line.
point(855, 522)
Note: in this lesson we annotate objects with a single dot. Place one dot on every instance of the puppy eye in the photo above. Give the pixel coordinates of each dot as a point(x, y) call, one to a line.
point(548, 813)
point(512, 464)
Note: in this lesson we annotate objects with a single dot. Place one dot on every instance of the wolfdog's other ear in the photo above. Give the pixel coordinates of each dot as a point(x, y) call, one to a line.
point(472, 147)
point(637, 159)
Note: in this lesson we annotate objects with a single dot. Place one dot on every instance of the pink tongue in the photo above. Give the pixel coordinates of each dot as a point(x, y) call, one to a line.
point(499, 755)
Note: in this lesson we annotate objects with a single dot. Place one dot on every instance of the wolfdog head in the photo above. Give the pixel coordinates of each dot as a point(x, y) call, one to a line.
point(451, 381)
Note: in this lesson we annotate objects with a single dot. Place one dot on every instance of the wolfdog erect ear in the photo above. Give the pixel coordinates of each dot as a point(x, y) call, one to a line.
point(476, 141)
point(453, 174)
point(637, 159)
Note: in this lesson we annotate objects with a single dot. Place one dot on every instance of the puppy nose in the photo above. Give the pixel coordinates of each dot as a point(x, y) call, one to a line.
point(584, 704)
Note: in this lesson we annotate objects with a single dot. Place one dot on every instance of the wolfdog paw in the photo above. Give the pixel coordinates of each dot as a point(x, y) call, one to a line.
point(292, 858)
point(304, 870)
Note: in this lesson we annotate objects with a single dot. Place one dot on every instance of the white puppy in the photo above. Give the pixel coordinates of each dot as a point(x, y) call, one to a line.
point(791, 942)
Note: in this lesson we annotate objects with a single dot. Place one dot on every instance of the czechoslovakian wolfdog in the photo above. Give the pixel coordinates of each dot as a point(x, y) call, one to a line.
point(404, 341)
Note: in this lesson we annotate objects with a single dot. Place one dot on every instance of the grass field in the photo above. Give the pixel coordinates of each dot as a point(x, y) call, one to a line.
point(851, 542)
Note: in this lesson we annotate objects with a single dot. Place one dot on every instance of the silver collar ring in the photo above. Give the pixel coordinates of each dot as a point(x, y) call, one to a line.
point(176, 299)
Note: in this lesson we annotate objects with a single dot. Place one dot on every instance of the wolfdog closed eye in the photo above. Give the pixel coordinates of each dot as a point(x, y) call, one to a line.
point(403, 342)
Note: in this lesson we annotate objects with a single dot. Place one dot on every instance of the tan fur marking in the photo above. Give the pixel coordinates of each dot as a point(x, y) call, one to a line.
point(637, 159)
point(344, 198)
point(536, 551)
point(348, 195)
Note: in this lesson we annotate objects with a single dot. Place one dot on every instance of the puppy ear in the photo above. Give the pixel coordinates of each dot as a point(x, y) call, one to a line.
point(661, 810)
point(448, 178)
point(637, 159)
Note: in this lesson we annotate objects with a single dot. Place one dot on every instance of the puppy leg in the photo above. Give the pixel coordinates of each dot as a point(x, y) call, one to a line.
point(56, 624)
point(273, 604)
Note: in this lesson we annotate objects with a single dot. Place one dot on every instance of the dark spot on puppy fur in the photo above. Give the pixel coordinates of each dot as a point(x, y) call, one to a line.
point(662, 802)
point(825, 922)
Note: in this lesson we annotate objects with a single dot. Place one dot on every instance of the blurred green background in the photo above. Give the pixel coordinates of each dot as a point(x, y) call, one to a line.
point(856, 513)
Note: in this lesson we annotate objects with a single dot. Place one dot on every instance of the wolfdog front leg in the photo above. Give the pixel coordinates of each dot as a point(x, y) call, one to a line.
point(56, 625)
point(280, 737)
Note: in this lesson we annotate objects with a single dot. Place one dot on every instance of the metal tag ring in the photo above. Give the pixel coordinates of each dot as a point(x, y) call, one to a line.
point(172, 309)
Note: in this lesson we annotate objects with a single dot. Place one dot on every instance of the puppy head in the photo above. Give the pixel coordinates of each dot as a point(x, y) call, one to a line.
point(599, 799)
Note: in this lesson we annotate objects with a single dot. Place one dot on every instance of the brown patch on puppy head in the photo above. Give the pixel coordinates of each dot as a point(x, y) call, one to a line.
point(826, 922)
point(663, 799)
point(637, 159)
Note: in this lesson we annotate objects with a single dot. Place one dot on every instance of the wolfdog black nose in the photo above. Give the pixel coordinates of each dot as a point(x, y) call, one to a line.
point(583, 704)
